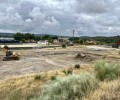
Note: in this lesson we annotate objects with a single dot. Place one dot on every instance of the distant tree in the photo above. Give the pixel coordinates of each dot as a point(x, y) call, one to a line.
point(18, 36)
point(46, 37)
point(23, 37)
point(37, 38)
point(23, 40)
point(29, 36)
point(55, 37)
point(50, 40)
point(81, 41)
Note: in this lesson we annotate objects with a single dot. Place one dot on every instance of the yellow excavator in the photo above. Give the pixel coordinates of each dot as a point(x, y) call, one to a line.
point(10, 55)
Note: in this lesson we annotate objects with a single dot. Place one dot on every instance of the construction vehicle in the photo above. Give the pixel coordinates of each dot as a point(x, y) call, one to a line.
point(10, 55)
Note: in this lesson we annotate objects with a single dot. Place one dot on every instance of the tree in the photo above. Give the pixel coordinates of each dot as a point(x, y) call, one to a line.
point(18, 36)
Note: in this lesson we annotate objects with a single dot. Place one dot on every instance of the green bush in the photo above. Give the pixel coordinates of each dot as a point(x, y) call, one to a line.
point(77, 66)
point(64, 46)
point(73, 87)
point(107, 71)
point(53, 77)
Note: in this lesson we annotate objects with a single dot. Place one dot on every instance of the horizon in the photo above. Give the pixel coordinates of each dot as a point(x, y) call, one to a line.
point(59, 35)
point(61, 17)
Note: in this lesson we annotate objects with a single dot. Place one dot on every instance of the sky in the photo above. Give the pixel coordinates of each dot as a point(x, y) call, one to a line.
point(61, 17)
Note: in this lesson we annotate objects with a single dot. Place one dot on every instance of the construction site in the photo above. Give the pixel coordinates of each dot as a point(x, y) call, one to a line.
point(24, 72)
point(49, 59)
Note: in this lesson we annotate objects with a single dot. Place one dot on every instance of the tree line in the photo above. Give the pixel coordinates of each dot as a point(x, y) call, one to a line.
point(28, 36)
point(79, 40)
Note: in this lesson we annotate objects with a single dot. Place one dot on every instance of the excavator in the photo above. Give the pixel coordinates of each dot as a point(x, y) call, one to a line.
point(10, 55)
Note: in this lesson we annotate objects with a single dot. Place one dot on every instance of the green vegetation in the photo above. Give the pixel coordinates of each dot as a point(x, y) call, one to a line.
point(40, 77)
point(68, 71)
point(28, 36)
point(53, 77)
point(73, 87)
point(77, 66)
point(107, 71)
point(23, 37)
point(37, 77)
point(64, 45)
point(101, 40)
point(80, 86)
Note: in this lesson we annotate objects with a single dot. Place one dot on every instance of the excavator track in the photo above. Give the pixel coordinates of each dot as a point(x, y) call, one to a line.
point(10, 58)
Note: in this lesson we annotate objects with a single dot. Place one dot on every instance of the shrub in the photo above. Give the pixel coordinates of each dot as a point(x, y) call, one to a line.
point(68, 72)
point(53, 77)
point(37, 77)
point(107, 71)
point(63, 45)
point(6, 47)
point(119, 52)
point(41, 77)
point(73, 87)
point(77, 66)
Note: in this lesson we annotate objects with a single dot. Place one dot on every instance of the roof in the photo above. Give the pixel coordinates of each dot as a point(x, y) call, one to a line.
point(2, 38)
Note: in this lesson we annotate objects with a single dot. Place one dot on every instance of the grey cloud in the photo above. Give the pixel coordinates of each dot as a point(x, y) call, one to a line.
point(87, 17)
point(24, 8)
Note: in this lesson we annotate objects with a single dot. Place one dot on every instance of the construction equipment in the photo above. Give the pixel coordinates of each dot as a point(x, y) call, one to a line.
point(10, 55)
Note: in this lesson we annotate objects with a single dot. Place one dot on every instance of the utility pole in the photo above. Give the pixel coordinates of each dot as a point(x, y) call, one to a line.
point(73, 36)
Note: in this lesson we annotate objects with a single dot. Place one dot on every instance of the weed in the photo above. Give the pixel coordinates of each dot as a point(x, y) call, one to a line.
point(64, 46)
point(77, 66)
point(53, 77)
point(38, 77)
point(68, 71)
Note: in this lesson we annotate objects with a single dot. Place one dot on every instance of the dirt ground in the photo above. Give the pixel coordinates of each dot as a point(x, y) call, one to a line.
point(42, 60)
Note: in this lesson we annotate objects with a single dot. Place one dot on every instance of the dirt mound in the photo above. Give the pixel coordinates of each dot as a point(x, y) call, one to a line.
point(88, 57)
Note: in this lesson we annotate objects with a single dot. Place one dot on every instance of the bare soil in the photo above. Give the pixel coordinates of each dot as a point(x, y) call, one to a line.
point(42, 60)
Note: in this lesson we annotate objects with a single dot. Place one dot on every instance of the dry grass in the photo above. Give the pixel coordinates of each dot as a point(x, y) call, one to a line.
point(27, 86)
point(107, 91)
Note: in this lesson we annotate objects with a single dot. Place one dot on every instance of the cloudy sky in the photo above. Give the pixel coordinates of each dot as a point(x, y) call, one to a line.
point(86, 17)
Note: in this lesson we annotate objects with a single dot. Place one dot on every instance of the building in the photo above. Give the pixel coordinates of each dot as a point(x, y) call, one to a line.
point(63, 40)
point(8, 40)
point(118, 42)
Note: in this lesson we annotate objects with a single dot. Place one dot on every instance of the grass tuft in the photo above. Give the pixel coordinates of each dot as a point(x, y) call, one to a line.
point(63, 45)
point(53, 77)
point(38, 77)
point(68, 71)
point(77, 66)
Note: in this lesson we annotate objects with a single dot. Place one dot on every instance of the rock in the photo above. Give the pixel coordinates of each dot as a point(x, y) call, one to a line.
point(80, 55)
